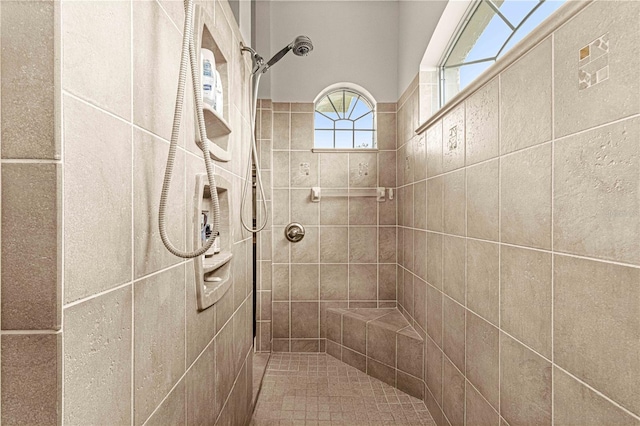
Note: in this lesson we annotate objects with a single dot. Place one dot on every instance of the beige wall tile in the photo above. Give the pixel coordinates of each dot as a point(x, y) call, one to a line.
point(381, 372)
point(334, 211)
point(281, 207)
point(281, 166)
point(305, 319)
point(354, 334)
point(525, 385)
point(434, 363)
point(478, 411)
point(575, 403)
point(31, 284)
point(420, 254)
point(482, 359)
point(577, 108)
point(363, 170)
point(334, 170)
point(525, 297)
point(172, 410)
point(435, 204)
point(281, 246)
point(454, 203)
point(334, 282)
point(378, 343)
point(88, 40)
point(301, 131)
point(434, 259)
point(302, 107)
point(363, 211)
point(409, 385)
point(97, 370)
point(201, 325)
point(363, 282)
point(420, 157)
point(302, 209)
point(483, 200)
point(303, 169)
point(387, 245)
point(596, 195)
point(420, 302)
point(104, 169)
point(28, 80)
point(453, 337)
point(387, 169)
point(223, 365)
point(596, 330)
point(307, 249)
point(200, 389)
point(386, 130)
point(420, 205)
point(453, 140)
point(410, 352)
point(482, 124)
point(453, 394)
point(266, 124)
point(305, 282)
point(363, 244)
point(281, 130)
point(454, 258)
point(387, 282)
point(483, 279)
point(519, 128)
point(334, 244)
point(434, 149)
point(434, 314)
point(280, 320)
point(525, 211)
point(407, 207)
point(31, 369)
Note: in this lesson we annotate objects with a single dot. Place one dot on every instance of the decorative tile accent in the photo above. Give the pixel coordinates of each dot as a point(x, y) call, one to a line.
point(363, 169)
point(453, 138)
point(305, 169)
point(594, 62)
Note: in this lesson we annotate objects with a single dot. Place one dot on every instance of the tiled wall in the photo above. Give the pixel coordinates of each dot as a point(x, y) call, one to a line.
point(348, 255)
point(519, 234)
point(99, 321)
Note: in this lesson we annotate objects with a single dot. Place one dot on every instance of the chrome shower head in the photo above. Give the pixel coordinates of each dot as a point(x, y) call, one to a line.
point(302, 46)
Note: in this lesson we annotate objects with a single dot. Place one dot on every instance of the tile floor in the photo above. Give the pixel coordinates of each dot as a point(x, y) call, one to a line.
point(317, 389)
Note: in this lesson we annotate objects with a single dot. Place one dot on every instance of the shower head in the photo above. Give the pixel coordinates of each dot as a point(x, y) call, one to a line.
point(301, 46)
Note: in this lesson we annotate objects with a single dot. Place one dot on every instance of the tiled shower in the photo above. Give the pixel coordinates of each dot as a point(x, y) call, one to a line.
point(510, 247)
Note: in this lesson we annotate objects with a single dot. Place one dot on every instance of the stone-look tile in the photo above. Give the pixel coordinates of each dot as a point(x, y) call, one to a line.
point(303, 169)
point(483, 183)
point(434, 149)
point(306, 345)
point(281, 247)
point(575, 403)
point(306, 250)
point(354, 334)
point(201, 325)
point(407, 293)
point(410, 384)
point(453, 337)
point(453, 272)
point(200, 389)
point(88, 39)
point(363, 282)
point(31, 260)
point(281, 207)
point(103, 169)
point(264, 151)
point(266, 124)
point(334, 282)
point(379, 346)
point(482, 124)
point(264, 307)
point(301, 131)
point(420, 157)
point(280, 282)
point(420, 254)
point(434, 314)
point(305, 319)
point(483, 279)
point(434, 363)
point(334, 170)
point(435, 204)
point(420, 205)
point(334, 326)
point(334, 211)
point(381, 372)
point(31, 367)
point(453, 140)
point(407, 159)
point(280, 319)
point(386, 131)
point(304, 282)
point(159, 323)
point(97, 368)
point(525, 211)
point(172, 410)
point(150, 254)
point(519, 128)
point(280, 178)
point(482, 357)
point(363, 211)
point(387, 212)
point(281, 106)
point(453, 394)
point(28, 80)
point(525, 297)
point(410, 352)
point(387, 245)
point(578, 108)
point(363, 245)
point(387, 282)
point(363, 170)
point(596, 207)
point(154, 95)
point(525, 385)
point(454, 203)
point(596, 330)
point(281, 130)
point(334, 244)
point(387, 169)
point(224, 370)
point(434, 259)
point(302, 209)
point(420, 302)
point(302, 107)
point(478, 411)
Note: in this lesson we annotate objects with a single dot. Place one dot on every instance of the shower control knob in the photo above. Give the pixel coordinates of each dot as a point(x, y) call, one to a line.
point(294, 232)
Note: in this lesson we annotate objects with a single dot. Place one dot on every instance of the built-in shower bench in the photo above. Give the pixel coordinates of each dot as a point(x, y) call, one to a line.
point(379, 342)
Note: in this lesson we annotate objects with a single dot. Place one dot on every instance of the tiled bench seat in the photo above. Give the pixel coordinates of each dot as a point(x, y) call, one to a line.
point(379, 342)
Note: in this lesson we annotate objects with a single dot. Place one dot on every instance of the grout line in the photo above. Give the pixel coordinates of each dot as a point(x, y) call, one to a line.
point(131, 112)
point(29, 332)
point(553, 144)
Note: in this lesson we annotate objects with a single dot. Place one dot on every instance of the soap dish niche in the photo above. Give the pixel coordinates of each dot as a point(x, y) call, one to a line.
point(213, 269)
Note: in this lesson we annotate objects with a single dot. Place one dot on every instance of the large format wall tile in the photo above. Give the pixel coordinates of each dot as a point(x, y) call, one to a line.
point(97, 184)
point(483, 279)
point(483, 200)
point(596, 194)
point(482, 124)
point(482, 358)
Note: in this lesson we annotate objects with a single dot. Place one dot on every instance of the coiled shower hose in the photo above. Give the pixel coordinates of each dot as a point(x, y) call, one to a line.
point(188, 51)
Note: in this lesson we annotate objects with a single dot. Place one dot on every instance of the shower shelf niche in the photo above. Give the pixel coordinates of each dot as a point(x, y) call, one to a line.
point(216, 124)
point(212, 270)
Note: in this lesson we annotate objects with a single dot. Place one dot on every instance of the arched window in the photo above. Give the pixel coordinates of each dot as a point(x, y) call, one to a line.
point(344, 119)
point(492, 28)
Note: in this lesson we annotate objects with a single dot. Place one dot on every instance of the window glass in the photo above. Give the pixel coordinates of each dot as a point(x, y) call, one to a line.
point(344, 119)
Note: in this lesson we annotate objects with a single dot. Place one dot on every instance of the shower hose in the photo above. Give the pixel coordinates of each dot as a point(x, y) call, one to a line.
point(188, 53)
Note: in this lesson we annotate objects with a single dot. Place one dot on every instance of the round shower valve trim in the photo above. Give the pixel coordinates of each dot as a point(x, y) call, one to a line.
point(294, 232)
